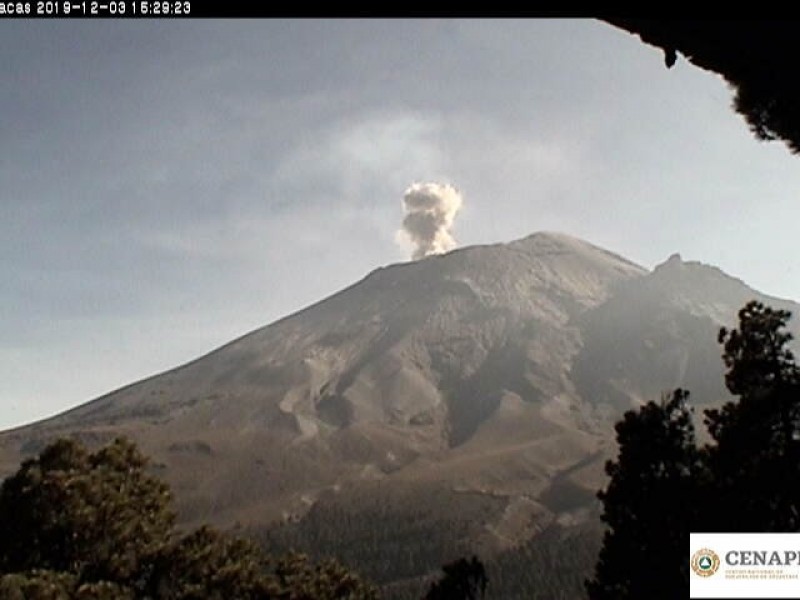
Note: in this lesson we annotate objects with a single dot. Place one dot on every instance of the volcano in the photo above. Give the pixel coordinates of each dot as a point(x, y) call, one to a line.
point(482, 383)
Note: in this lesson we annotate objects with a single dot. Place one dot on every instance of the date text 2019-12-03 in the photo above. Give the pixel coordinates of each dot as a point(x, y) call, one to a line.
point(107, 8)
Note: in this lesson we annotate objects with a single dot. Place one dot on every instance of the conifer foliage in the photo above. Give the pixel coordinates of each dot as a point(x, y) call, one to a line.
point(463, 579)
point(663, 486)
point(87, 525)
point(95, 515)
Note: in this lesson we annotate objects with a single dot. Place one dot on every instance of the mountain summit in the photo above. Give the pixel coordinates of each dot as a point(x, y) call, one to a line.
point(493, 370)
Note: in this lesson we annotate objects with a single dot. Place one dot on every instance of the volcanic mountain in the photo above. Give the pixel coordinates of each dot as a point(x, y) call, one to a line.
point(483, 382)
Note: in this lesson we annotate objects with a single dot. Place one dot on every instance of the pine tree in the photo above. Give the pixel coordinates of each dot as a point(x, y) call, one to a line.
point(95, 515)
point(76, 525)
point(755, 457)
point(662, 486)
point(645, 504)
point(464, 579)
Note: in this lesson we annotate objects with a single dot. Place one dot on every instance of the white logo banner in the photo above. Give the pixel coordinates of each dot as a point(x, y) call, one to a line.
point(744, 565)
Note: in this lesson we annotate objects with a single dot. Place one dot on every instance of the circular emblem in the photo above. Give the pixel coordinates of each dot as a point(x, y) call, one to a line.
point(705, 562)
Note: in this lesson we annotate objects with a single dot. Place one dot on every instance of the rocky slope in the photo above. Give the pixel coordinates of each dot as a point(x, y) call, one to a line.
point(492, 372)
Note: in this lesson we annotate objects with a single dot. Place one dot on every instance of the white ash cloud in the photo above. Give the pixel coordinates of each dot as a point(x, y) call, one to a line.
point(430, 211)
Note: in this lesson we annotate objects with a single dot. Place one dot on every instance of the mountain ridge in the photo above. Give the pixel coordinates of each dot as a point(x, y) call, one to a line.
point(550, 242)
point(493, 370)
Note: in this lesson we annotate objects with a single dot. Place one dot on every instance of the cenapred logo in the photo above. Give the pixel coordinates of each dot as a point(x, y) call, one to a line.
point(705, 562)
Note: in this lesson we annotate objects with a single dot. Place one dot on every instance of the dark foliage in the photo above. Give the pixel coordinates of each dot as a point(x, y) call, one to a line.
point(418, 532)
point(755, 458)
point(757, 58)
point(96, 526)
point(656, 471)
point(663, 486)
point(551, 566)
point(296, 578)
point(464, 579)
point(389, 534)
point(207, 564)
point(96, 515)
point(52, 585)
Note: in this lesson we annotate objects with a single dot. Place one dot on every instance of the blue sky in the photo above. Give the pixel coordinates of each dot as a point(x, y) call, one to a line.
point(166, 186)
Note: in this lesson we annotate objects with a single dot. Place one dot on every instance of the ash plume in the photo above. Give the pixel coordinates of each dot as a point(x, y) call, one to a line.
point(430, 210)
